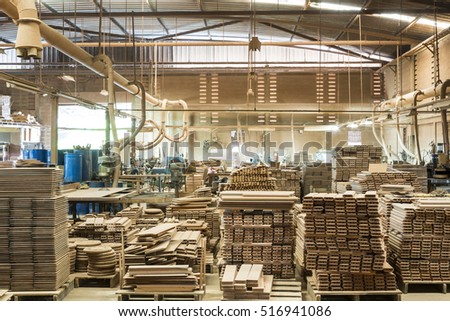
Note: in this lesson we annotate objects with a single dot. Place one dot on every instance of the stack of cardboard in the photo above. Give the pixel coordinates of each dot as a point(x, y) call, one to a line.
point(344, 244)
point(419, 240)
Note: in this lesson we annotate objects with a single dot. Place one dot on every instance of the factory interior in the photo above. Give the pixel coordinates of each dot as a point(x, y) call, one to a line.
point(270, 150)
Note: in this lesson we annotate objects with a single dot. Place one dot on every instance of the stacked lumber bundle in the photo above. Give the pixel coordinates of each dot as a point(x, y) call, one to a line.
point(366, 181)
point(193, 182)
point(344, 244)
point(6, 164)
point(341, 187)
point(105, 230)
point(316, 178)
point(419, 240)
point(420, 171)
point(34, 247)
point(203, 192)
point(247, 283)
point(299, 221)
point(30, 163)
point(287, 180)
point(385, 206)
point(151, 217)
point(191, 208)
point(157, 278)
point(251, 179)
point(133, 212)
point(348, 161)
point(258, 229)
point(102, 261)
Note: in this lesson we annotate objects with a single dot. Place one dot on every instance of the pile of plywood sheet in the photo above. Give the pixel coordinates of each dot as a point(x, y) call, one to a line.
point(251, 179)
point(97, 227)
point(316, 178)
point(392, 182)
point(34, 248)
point(258, 228)
point(344, 243)
point(348, 161)
point(246, 283)
point(287, 180)
point(419, 240)
point(196, 208)
point(161, 278)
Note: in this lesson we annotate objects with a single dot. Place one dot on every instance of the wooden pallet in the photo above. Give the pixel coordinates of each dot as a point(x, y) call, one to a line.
point(130, 295)
point(404, 285)
point(317, 295)
point(85, 280)
point(57, 295)
point(286, 290)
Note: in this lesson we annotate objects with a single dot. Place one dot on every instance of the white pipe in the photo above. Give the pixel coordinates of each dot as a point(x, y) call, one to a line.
point(399, 136)
point(382, 144)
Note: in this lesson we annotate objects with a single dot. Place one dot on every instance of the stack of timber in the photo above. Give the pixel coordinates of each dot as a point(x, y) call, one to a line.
point(420, 171)
point(246, 283)
point(151, 217)
point(29, 163)
point(251, 179)
point(316, 178)
point(34, 247)
point(419, 240)
point(105, 230)
point(258, 229)
point(200, 209)
point(344, 244)
point(102, 261)
point(203, 192)
point(6, 164)
point(366, 181)
point(348, 161)
point(133, 212)
point(161, 278)
point(341, 187)
point(299, 221)
point(287, 180)
point(193, 182)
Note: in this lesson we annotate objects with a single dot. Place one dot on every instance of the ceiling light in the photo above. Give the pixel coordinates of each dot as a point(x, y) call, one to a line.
point(286, 2)
point(67, 78)
point(352, 125)
point(333, 6)
point(104, 92)
point(432, 23)
point(395, 16)
point(321, 128)
point(261, 129)
point(367, 122)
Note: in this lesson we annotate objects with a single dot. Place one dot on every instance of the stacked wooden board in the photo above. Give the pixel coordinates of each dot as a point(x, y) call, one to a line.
point(133, 212)
point(151, 217)
point(106, 230)
point(366, 181)
point(193, 182)
point(157, 278)
point(316, 178)
point(287, 180)
point(33, 230)
point(299, 221)
point(344, 244)
point(251, 179)
point(246, 283)
point(258, 229)
point(348, 161)
point(420, 171)
point(203, 192)
point(196, 208)
point(419, 240)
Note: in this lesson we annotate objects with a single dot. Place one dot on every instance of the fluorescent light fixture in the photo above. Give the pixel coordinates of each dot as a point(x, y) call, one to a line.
point(352, 125)
point(367, 122)
point(321, 128)
point(285, 2)
point(395, 16)
point(333, 6)
point(421, 21)
point(67, 78)
point(104, 92)
point(432, 23)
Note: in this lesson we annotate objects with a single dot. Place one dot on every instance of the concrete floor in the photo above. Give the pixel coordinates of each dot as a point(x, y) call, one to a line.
point(213, 293)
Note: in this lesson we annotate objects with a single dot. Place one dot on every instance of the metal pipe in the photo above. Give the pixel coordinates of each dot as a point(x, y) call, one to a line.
point(416, 124)
point(143, 117)
point(443, 95)
point(380, 141)
point(399, 136)
point(28, 40)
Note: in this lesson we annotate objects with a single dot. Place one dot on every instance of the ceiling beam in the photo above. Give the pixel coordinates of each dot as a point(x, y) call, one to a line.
point(200, 5)
point(230, 14)
point(341, 50)
point(219, 25)
point(353, 20)
point(114, 21)
point(5, 40)
point(154, 11)
point(94, 32)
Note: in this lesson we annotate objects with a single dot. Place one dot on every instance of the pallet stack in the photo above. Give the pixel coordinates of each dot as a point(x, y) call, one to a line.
point(34, 247)
point(246, 283)
point(316, 178)
point(366, 181)
point(419, 240)
point(251, 179)
point(348, 161)
point(258, 229)
point(386, 204)
point(191, 208)
point(287, 180)
point(344, 244)
point(105, 230)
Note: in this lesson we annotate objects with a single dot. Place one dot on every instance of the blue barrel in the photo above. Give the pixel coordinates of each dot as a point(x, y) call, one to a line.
point(96, 184)
point(42, 155)
point(95, 154)
point(26, 154)
point(73, 167)
point(86, 169)
point(83, 208)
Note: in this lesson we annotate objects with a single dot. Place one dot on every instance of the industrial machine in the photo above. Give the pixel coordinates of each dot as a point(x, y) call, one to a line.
point(106, 166)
